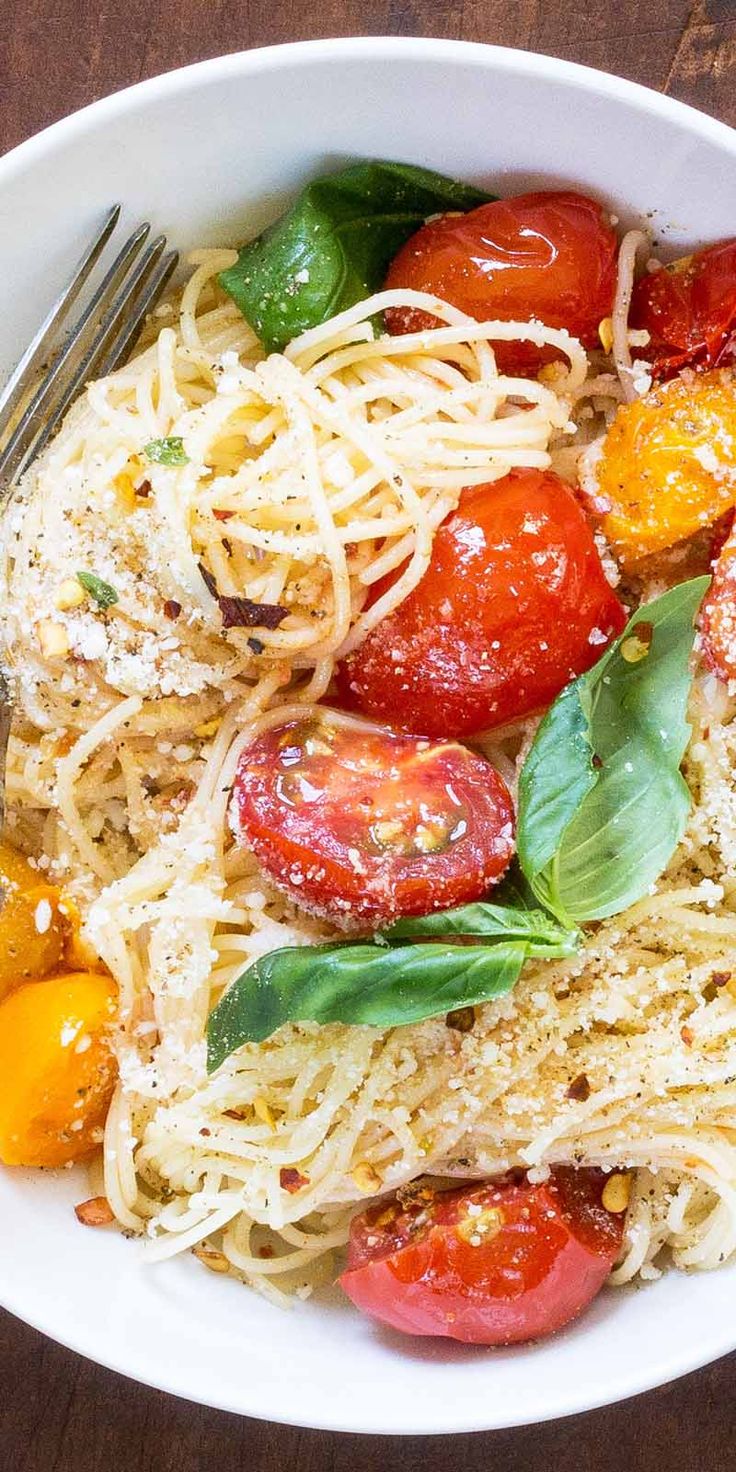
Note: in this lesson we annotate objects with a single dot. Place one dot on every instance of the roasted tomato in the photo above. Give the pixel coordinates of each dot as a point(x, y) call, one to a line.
point(32, 929)
point(514, 603)
point(57, 1068)
point(667, 467)
point(363, 825)
point(496, 1263)
point(718, 614)
point(689, 310)
point(550, 255)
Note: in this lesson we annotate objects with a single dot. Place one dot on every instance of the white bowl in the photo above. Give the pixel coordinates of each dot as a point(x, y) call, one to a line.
point(207, 153)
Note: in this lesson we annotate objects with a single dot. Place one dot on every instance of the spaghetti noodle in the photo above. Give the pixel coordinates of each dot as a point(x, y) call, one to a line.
point(301, 481)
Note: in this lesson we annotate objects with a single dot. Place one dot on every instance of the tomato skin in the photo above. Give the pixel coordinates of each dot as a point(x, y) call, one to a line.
point(29, 947)
point(363, 825)
point(497, 1263)
point(667, 467)
point(717, 620)
point(689, 310)
point(513, 605)
point(549, 255)
point(57, 1067)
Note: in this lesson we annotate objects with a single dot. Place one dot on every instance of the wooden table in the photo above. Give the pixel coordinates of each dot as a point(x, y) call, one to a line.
point(59, 1413)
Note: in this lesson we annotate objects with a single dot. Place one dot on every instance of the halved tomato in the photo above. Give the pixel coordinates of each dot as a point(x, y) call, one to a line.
point(363, 825)
point(497, 1263)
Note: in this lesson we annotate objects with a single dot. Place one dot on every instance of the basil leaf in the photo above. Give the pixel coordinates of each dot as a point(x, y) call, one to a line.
point(169, 451)
point(335, 244)
point(602, 802)
point(363, 984)
point(541, 935)
point(103, 593)
point(553, 787)
point(514, 890)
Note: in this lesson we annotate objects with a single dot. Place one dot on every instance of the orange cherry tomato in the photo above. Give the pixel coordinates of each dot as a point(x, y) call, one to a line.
point(514, 603)
point(689, 310)
point(364, 825)
point(496, 1263)
point(668, 463)
point(32, 929)
point(57, 1068)
point(549, 255)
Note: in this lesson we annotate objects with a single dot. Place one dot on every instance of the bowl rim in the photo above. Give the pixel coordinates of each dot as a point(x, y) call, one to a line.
point(343, 48)
point(25, 155)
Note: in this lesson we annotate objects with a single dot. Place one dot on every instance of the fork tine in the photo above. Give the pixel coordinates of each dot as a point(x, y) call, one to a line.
point(44, 338)
point(115, 320)
point(130, 328)
point(6, 710)
point(21, 446)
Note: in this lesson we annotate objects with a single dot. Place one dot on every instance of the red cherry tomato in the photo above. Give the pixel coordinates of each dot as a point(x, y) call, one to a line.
point(513, 604)
point(496, 1263)
point(689, 310)
point(717, 619)
point(550, 255)
point(363, 825)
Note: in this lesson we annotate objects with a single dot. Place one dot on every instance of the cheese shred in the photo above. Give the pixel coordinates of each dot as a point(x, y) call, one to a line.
point(302, 480)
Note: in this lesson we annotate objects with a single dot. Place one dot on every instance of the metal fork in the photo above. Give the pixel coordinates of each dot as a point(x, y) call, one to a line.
point(55, 368)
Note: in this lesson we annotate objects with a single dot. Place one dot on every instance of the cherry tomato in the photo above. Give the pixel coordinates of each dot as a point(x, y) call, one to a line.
point(32, 929)
point(550, 255)
point(718, 614)
point(496, 1263)
point(513, 604)
point(668, 463)
point(57, 1068)
point(689, 310)
point(364, 825)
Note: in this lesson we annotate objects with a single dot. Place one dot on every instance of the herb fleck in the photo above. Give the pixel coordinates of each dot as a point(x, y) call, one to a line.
point(103, 593)
point(168, 451)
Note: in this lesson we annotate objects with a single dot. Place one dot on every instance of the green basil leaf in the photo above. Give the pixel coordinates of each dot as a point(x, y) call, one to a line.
point(541, 935)
point(552, 789)
point(103, 593)
point(169, 451)
point(375, 985)
point(602, 802)
point(335, 244)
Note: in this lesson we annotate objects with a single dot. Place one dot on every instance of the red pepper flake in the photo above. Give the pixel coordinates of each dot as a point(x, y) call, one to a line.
point(266, 1252)
point(292, 1180)
point(172, 609)
point(234, 1113)
point(204, 1130)
point(720, 978)
point(596, 761)
point(143, 491)
point(221, 515)
point(643, 631)
point(96, 1212)
point(688, 1036)
point(461, 1020)
point(243, 613)
point(579, 1089)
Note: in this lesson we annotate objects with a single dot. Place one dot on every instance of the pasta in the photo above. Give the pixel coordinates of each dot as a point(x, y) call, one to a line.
point(299, 482)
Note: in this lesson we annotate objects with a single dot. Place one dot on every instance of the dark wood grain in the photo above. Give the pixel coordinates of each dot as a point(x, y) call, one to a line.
point(59, 1413)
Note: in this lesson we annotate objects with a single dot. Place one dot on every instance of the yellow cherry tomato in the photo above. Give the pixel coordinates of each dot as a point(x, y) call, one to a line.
point(668, 464)
point(32, 929)
point(57, 1068)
